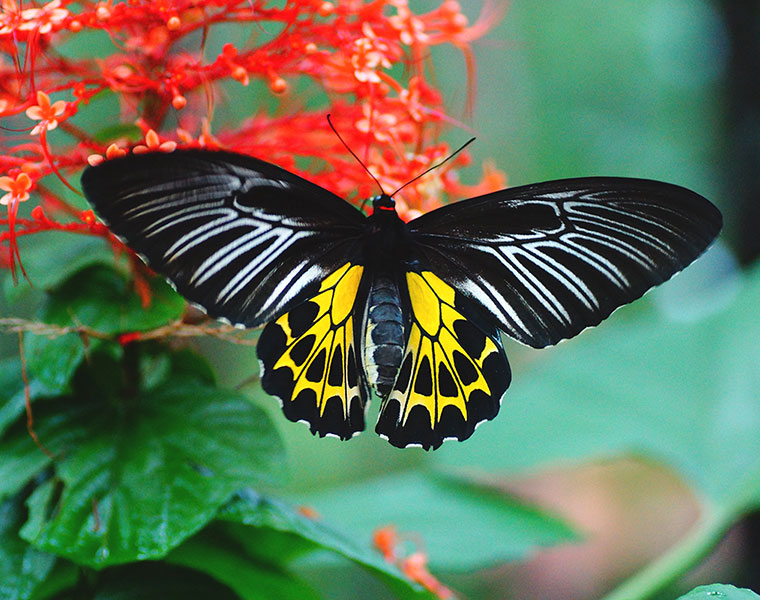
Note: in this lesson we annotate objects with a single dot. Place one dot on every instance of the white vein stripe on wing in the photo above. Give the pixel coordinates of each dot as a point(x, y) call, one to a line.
point(287, 284)
point(596, 260)
point(622, 227)
point(233, 250)
point(561, 272)
point(176, 197)
point(507, 256)
point(172, 220)
point(244, 277)
point(495, 302)
point(222, 257)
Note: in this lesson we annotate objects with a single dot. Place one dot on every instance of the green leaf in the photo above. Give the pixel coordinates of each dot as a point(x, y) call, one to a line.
point(51, 257)
point(221, 556)
point(158, 581)
point(102, 299)
point(53, 361)
point(482, 526)
point(719, 591)
point(16, 405)
point(20, 460)
point(254, 510)
point(255, 532)
point(139, 474)
point(186, 364)
point(683, 392)
point(118, 131)
point(12, 395)
point(157, 365)
point(99, 298)
point(22, 568)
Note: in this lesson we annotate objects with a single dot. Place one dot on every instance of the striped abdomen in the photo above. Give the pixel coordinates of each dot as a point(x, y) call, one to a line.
point(384, 335)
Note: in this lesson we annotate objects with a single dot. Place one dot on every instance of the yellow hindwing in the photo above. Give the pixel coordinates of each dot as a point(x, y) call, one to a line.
point(453, 373)
point(310, 361)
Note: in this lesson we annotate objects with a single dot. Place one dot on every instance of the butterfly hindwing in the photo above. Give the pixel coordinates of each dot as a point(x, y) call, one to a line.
point(453, 373)
point(550, 259)
point(309, 358)
point(240, 237)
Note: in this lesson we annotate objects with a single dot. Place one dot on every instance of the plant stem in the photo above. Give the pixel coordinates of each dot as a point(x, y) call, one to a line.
point(685, 555)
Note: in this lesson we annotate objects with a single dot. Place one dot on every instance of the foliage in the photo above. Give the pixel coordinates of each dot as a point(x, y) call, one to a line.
point(712, 592)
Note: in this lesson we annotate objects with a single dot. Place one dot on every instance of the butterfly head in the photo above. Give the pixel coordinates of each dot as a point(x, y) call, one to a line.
point(383, 202)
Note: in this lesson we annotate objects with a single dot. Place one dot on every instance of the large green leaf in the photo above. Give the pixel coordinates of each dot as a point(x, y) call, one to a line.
point(18, 463)
point(687, 393)
point(293, 533)
point(136, 475)
point(101, 299)
point(719, 591)
point(462, 526)
point(54, 360)
point(258, 540)
point(223, 557)
point(22, 568)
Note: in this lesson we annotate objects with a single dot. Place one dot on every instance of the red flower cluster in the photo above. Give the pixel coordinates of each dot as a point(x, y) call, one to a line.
point(364, 61)
point(414, 565)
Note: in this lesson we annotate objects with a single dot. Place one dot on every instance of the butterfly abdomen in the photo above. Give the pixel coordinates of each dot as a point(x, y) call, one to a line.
point(384, 335)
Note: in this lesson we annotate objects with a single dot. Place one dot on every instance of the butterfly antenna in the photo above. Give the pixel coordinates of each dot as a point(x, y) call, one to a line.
point(426, 171)
point(359, 160)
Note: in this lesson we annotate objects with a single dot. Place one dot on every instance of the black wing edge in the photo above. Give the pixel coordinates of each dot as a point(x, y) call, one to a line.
point(98, 182)
point(451, 214)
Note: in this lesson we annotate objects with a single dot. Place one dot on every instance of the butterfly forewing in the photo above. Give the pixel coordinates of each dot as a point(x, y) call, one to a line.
point(242, 238)
point(453, 373)
point(550, 259)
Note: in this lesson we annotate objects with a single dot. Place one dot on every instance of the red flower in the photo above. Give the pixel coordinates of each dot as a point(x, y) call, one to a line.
point(18, 191)
point(364, 61)
point(153, 143)
point(414, 565)
point(415, 568)
point(48, 115)
point(17, 188)
point(43, 19)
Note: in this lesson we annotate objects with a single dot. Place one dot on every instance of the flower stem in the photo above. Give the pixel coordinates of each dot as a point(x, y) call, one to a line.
point(677, 561)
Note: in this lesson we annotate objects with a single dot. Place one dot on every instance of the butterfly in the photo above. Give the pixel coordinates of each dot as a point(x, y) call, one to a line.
point(410, 310)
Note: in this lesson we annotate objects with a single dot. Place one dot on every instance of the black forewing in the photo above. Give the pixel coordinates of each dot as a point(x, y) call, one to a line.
point(550, 259)
point(242, 238)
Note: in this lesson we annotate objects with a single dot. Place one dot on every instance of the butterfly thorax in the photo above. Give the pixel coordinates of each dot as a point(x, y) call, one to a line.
point(387, 241)
point(383, 202)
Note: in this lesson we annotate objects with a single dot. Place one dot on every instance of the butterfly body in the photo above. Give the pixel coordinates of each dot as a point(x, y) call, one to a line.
point(384, 339)
point(412, 311)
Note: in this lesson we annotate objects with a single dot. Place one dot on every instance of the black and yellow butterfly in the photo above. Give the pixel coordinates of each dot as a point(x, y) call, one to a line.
point(412, 310)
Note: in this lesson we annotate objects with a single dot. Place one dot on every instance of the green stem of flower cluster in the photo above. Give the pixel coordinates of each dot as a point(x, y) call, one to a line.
point(679, 560)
